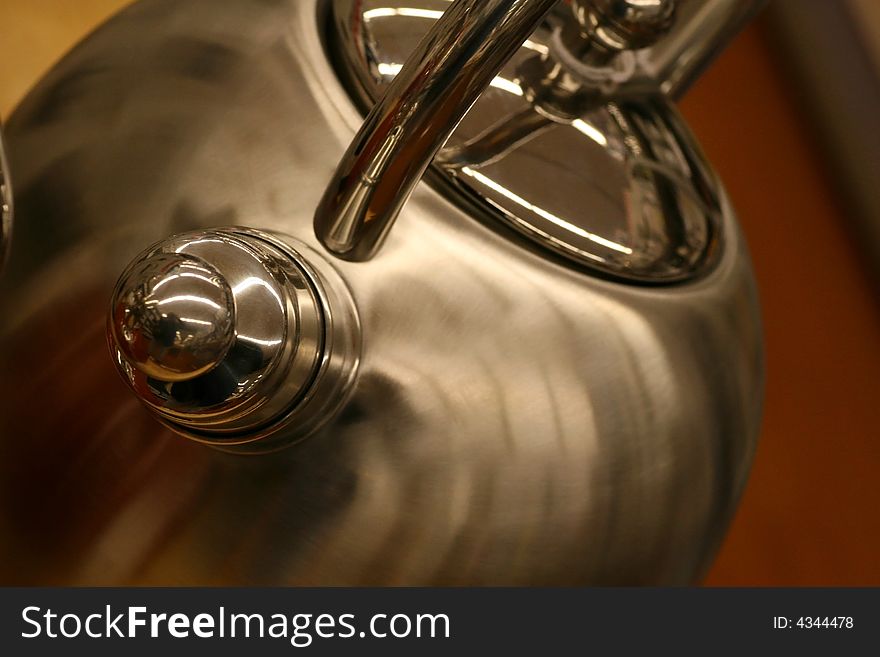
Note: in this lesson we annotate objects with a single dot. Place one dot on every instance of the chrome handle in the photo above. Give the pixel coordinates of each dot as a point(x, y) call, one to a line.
point(438, 84)
point(703, 29)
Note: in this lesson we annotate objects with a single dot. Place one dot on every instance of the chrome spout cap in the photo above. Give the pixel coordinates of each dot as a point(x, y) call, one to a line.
point(223, 333)
point(173, 317)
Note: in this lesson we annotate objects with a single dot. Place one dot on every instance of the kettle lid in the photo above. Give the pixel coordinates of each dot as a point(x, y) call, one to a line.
point(617, 184)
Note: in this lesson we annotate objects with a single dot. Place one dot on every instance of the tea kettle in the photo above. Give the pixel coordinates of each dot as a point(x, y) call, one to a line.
point(543, 365)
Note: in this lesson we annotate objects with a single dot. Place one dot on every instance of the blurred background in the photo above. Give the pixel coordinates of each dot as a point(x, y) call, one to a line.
point(790, 117)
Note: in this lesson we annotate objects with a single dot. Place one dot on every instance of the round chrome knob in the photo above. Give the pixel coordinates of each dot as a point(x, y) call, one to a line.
point(625, 24)
point(173, 317)
point(232, 336)
point(613, 26)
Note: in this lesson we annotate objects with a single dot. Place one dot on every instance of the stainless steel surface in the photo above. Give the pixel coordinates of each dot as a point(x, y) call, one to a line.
point(224, 333)
point(442, 78)
point(515, 420)
point(630, 194)
point(5, 204)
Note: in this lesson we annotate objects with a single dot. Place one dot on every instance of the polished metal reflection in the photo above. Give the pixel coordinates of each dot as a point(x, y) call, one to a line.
point(443, 77)
point(173, 317)
point(515, 420)
point(613, 183)
point(591, 55)
point(5, 204)
point(222, 333)
point(604, 28)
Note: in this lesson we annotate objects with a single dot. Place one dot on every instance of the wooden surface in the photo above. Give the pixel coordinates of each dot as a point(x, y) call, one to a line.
point(809, 515)
point(36, 33)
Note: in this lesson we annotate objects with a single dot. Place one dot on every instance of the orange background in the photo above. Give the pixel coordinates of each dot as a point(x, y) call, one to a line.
point(809, 515)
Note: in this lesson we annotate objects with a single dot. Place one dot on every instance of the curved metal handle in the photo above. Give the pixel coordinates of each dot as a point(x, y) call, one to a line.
point(452, 66)
point(703, 29)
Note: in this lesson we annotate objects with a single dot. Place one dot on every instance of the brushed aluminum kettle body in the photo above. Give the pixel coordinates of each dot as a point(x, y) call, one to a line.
point(514, 419)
